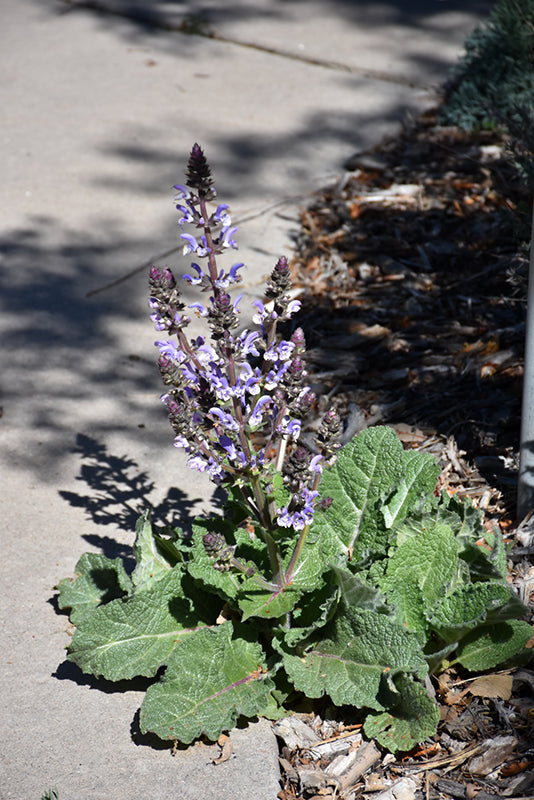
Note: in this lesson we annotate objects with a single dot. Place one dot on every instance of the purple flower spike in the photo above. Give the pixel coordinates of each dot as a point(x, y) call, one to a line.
point(229, 389)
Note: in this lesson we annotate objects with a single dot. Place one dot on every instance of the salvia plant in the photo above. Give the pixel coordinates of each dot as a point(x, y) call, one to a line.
point(337, 572)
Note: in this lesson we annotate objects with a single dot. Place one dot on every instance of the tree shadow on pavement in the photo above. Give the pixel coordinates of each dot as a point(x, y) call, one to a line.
point(73, 361)
point(242, 150)
point(202, 18)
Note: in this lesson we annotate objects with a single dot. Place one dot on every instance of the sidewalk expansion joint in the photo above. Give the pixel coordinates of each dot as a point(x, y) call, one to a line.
point(194, 26)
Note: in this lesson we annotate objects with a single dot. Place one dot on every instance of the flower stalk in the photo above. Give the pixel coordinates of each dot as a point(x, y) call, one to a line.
point(236, 400)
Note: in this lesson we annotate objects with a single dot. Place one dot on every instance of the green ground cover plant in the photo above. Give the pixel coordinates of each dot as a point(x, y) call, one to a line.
point(339, 572)
point(492, 86)
point(493, 83)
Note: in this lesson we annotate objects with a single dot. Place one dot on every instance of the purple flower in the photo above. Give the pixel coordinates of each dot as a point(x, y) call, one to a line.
point(226, 420)
point(183, 192)
point(226, 238)
point(309, 497)
point(187, 215)
point(219, 383)
point(316, 464)
point(245, 344)
point(159, 323)
point(262, 315)
point(256, 417)
point(169, 348)
point(296, 520)
point(205, 352)
point(302, 516)
point(221, 215)
point(195, 281)
point(292, 308)
point(225, 280)
point(193, 246)
point(248, 381)
point(274, 376)
point(282, 351)
point(229, 447)
point(289, 427)
point(199, 309)
point(197, 462)
point(234, 277)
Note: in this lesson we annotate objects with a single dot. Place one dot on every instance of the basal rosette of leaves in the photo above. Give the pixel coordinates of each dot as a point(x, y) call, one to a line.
point(394, 580)
point(334, 573)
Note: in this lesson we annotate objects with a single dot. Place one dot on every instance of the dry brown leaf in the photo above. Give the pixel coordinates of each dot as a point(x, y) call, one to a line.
point(227, 747)
point(496, 685)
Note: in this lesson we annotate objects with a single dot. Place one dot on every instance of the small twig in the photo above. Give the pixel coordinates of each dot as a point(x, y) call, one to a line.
point(452, 760)
point(350, 731)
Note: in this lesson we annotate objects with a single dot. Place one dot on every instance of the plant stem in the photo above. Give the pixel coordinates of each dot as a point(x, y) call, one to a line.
point(300, 542)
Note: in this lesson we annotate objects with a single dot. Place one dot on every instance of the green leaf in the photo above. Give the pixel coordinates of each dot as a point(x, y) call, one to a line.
point(97, 580)
point(490, 645)
point(484, 561)
point(151, 563)
point(136, 635)
point(366, 471)
point(468, 606)
point(420, 478)
point(414, 719)
point(419, 570)
point(215, 677)
point(313, 611)
point(310, 567)
point(356, 593)
point(266, 604)
point(353, 659)
point(281, 494)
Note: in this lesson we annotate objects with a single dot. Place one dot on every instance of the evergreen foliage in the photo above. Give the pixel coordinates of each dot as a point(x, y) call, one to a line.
point(493, 84)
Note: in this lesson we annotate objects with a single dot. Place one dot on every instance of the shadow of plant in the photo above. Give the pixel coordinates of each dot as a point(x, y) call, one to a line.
point(120, 493)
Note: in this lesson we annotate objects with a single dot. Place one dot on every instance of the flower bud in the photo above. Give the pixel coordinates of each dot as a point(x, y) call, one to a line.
point(199, 174)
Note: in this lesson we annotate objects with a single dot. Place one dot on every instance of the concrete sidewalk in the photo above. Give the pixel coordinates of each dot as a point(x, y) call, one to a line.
point(101, 103)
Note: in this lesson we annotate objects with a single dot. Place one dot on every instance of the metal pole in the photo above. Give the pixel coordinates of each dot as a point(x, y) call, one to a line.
point(525, 483)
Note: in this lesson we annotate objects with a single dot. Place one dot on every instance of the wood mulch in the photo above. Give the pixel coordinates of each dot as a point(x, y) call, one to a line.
point(412, 273)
